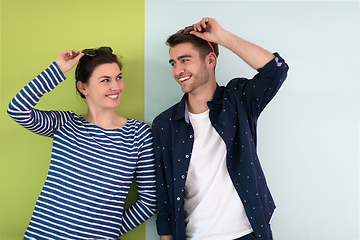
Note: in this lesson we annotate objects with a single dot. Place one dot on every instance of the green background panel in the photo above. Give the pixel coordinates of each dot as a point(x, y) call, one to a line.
point(33, 33)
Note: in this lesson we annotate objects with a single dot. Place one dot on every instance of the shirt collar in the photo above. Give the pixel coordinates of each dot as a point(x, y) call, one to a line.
point(218, 95)
point(181, 110)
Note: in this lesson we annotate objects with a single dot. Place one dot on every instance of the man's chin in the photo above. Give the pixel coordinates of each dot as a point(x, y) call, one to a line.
point(184, 89)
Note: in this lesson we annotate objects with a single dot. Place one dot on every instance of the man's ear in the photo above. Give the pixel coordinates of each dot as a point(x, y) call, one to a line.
point(211, 60)
point(81, 87)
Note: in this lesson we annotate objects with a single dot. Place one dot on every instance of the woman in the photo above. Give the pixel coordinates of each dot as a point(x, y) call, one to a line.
point(94, 156)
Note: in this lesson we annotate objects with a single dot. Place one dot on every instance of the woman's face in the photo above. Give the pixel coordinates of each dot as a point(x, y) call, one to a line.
point(104, 88)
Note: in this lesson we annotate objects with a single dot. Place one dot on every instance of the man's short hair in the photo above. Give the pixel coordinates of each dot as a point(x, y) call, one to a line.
point(199, 44)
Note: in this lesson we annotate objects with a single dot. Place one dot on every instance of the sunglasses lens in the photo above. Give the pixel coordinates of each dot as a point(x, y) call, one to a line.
point(89, 52)
point(94, 52)
point(188, 30)
point(105, 49)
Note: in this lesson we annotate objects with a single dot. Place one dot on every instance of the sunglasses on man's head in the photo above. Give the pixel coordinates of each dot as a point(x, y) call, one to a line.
point(187, 30)
point(92, 52)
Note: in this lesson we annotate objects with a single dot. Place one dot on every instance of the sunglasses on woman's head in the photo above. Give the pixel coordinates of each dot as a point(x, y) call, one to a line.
point(187, 30)
point(94, 52)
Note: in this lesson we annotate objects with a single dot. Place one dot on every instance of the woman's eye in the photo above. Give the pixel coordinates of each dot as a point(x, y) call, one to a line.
point(105, 80)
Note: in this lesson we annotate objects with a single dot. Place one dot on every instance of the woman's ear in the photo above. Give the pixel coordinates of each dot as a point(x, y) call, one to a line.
point(81, 87)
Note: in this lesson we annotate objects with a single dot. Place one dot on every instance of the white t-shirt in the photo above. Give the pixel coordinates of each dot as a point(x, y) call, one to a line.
point(213, 209)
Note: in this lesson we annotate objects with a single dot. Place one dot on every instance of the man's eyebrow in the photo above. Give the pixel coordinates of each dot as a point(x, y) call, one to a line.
point(180, 57)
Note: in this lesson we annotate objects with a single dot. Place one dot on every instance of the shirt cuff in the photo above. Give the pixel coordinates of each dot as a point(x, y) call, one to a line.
point(272, 65)
point(164, 227)
point(62, 76)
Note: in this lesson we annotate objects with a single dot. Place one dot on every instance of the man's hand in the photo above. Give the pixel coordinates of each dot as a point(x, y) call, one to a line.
point(208, 29)
point(68, 59)
point(166, 237)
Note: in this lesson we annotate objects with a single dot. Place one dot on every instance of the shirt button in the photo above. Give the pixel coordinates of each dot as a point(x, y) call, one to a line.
point(187, 156)
point(178, 198)
point(191, 136)
point(183, 176)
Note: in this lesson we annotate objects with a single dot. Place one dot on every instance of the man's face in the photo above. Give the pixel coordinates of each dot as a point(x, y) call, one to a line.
point(189, 68)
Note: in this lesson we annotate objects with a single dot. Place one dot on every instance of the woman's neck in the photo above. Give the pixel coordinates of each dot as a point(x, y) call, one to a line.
point(105, 119)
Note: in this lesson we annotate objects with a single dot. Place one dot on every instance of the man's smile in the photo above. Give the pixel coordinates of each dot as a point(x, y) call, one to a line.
point(184, 78)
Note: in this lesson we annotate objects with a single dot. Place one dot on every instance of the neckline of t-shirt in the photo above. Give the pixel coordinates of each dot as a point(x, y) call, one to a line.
point(103, 129)
point(199, 115)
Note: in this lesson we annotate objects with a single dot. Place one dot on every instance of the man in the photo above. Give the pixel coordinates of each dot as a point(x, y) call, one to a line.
point(210, 184)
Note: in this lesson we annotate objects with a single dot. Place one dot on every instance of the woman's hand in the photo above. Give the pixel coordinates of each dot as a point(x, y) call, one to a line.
point(68, 59)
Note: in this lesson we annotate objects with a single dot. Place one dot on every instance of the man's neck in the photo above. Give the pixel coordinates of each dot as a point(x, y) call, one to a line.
point(197, 103)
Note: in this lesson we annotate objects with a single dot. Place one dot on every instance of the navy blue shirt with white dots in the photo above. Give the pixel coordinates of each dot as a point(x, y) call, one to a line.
point(234, 111)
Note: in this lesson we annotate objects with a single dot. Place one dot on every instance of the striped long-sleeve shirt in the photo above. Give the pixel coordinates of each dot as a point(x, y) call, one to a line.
point(91, 169)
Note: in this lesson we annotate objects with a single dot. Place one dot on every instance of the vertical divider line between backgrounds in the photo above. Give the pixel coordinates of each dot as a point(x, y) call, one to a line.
point(359, 168)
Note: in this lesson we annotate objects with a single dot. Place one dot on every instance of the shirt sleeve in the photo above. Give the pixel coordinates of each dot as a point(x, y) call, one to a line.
point(21, 108)
point(145, 205)
point(258, 91)
point(164, 212)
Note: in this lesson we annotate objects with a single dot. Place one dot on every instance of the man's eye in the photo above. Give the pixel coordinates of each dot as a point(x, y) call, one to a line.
point(184, 60)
